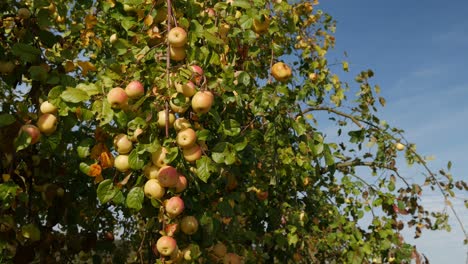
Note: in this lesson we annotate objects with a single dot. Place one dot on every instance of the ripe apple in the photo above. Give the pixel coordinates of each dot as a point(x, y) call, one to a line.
point(281, 71)
point(188, 89)
point(174, 206)
point(186, 138)
point(176, 53)
point(136, 133)
point(261, 25)
point(168, 176)
point(210, 12)
point(113, 38)
point(33, 132)
point(162, 119)
point(121, 163)
point(166, 245)
point(47, 123)
point(135, 90)
point(220, 250)
point(158, 157)
point(117, 97)
point(6, 67)
point(202, 102)
point(262, 195)
point(197, 73)
point(181, 184)
point(177, 37)
point(181, 107)
point(192, 153)
point(24, 13)
point(189, 225)
point(399, 146)
point(171, 229)
point(153, 189)
point(151, 171)
point(48, 108)
point(122, 144)
point(232, 258)
point(181, 123)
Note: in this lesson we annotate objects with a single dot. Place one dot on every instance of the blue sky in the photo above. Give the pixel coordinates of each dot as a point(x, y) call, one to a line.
point(418, 51)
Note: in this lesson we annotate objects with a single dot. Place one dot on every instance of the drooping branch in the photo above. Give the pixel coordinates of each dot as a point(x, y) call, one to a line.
point(332, 110)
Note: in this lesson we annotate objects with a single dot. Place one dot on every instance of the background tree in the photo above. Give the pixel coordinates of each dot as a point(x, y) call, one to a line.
point(193, 132)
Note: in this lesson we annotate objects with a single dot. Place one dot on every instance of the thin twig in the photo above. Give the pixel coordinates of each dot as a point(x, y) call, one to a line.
point(332, 110)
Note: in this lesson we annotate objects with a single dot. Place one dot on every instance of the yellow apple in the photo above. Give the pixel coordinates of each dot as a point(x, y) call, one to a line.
point(281, 71)
point(158, 157)
point(181, 107)
point(47, 123)
point(162, 119)
point(151, 171)
point(181, 123)
point(186, 138)
point(399, 146)
point(48, 108)
point(192, 153)
point(188, 89)
point(117, 98)
point(177, 37)
point(121, 163)
point(153, 189)
point(202, 102)
point(176, 53)
point(122, 144)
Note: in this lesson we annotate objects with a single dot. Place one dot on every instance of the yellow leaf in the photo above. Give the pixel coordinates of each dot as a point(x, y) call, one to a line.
point(86, 66)
point(90, 21)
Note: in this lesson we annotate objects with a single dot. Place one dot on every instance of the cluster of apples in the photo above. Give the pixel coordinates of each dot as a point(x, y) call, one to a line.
point(46, 123)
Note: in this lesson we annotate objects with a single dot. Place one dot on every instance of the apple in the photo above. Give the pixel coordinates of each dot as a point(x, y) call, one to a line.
point(33, 132)
point(210, 12)
point(24, 13)
point(186, 138)
point(166, 245)
point(181, 184)
point(136, 133)
point(135, 90)
point(232, 258)
point(48, 108)
point(189, 225)
point(399, 146)
point(171, 229)
point(313, 76)
point(281, 71)
point(174, 206)
point(192, 153)
point(188, 89)
point(168, 176)
point(202, 102)
point(181, 123)
point(117, 97)
point(262, 195)
point(121, 163)
point(197, 73)
point(122, 144)
point(109, 236)
point(261, 25)
point(153, 189)
point(162, 119)
point(220, 250)
point(151, 171)
point(176, 53)
point(158, 157)
point(113, 38)
point(177, 37)
point(6, 67)
point(179, 108)
point(129, 8)
point(47, 123)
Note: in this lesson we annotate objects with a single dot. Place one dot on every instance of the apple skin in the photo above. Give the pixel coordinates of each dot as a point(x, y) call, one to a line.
point(113, 38)
point(181, 184)
point(168, 176)
point(197, 74)
point(189, 225)
point(181, 123)
point(158, 157)
point(33, 132)
point(166, 245)
point(6, 67)
point(135, 90)
point(399, 146)
point(202, 102)
point(232, 258)
point(192, 153)
point(179, 108)
point(186, 138)
point(220, 250)
point(117, 98)
point(121, 163)
point(136, 133)
point(153, 189)
point(177, 54)
point(174, 206)
point(151, 171)
point(48, 108)
point(281, 71)
point(47, 123)
point(162, 119)
point(177, 37)
point(24, 13)
point(261, 25)
point(188, 89)
point(122, 144)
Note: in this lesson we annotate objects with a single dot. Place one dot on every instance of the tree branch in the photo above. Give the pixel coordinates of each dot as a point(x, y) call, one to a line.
point(332, 110)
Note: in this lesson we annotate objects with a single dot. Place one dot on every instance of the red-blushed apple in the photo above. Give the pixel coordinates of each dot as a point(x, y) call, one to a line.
point(220, 250)
point(181, 184)
point(48, 108)
point(24, 13)
point(197, 73)
point(181, 107)
point(153, 189)
point(181, 123)
point(158, 157)
point(232, 258)
point(189, 225)
point(261, 25)
point(202, 102)
point(281, 71)
point(177, 54)
point(168, 176)
point(135, 90)
point(192, 153)
point(174, 206)
point(210, 12)
point(188, 89)
point(117, 98)
point(171, 229)
point(162, 119)
point(166, 245)
point(122, 144)
point(177, 37)
point(151, 171)
point(399, 146)
point(186, 138)
point(262, 195)
point(121, 163)
point(33, 132)
point(47, 123)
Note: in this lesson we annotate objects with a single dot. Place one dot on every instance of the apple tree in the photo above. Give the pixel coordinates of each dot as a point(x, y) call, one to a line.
point(153, 131)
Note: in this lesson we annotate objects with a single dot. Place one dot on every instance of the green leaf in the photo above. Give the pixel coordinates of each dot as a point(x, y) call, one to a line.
point(244, 78)
point(211, 38)
point(38, 73)
point(135, 198)
point(6, 120)
point(328, 156)
point(89, 88)
point(242, 3)
point(25, 52)
point(106, 191)
point(74, 95)
point(230, 127)
point(135, 161)
point(84, 148)
point(22, 141)
point(299, 127)
point(31, 232)
point(104, 111)
point(205, 167)
point(224, 153)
